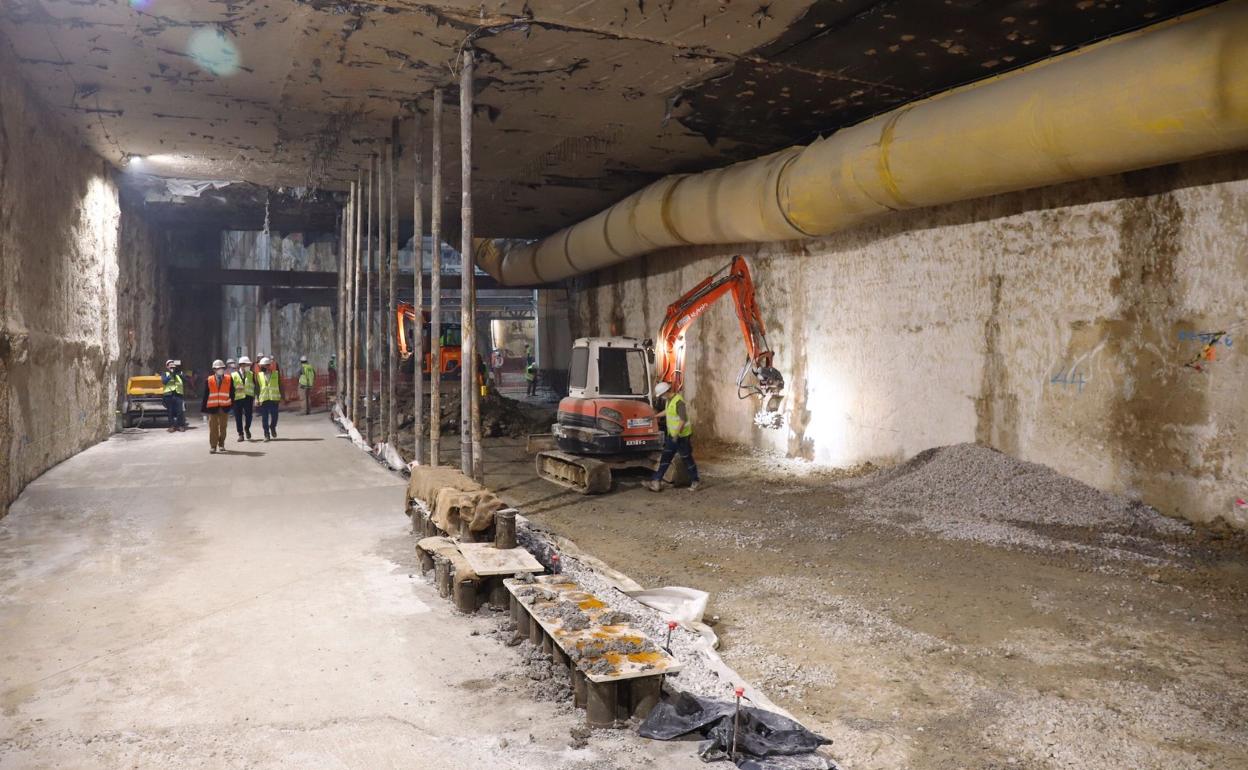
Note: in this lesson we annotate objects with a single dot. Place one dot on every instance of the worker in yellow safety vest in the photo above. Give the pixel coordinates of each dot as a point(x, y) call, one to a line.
point(269, 399)
point(174, 394)
point(244, 397)
point(530, 377)
point(307, 378)
point(677, 437)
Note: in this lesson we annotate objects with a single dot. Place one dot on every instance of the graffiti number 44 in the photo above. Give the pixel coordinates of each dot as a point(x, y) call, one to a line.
point(1074, 378)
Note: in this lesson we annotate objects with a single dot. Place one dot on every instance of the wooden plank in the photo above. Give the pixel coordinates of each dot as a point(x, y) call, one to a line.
point(486, 560)
point(650, 662)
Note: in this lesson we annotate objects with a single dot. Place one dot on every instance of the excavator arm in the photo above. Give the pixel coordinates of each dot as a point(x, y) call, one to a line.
point(758, 376)
point(405, 311)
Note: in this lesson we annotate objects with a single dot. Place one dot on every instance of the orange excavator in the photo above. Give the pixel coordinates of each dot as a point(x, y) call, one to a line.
point(452, 353)
point(610, 420)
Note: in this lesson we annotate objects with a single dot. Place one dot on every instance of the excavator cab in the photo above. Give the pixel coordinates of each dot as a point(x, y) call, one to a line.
point(608, 409)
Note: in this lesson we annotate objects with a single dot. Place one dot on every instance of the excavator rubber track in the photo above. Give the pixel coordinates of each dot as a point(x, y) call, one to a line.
point(580, 473)
point(591, 475)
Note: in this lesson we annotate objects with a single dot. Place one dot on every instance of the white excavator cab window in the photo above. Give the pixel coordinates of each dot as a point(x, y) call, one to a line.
point(623, 372)
point(578, 372)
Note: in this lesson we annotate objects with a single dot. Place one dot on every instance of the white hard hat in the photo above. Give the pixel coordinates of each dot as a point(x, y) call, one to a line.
point(218, 364)
point(264, 360)
point(229, 361)
point(244, 360)
point(303, 359)
point(661, 389)
point(168, 362)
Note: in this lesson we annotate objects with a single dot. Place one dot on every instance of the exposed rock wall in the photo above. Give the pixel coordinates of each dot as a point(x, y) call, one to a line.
point(79, 309)
point(1053, 324)
point(254, 324)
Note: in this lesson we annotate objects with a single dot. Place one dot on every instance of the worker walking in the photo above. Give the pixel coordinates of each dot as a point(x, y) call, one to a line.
point(244, 396)
point(307, 378)
point(530, 377)
point(677, 438)
point(269, 384)
point(218, 398)
point(174, 394)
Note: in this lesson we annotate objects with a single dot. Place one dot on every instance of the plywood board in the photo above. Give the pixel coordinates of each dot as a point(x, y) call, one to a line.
point(634, 665)
point(487, 561)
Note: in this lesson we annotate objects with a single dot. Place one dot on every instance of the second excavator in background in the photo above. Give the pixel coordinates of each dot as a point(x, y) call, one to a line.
point(610, 421)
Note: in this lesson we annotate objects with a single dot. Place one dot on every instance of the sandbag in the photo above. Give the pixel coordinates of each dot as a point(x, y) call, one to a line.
point(452, 497)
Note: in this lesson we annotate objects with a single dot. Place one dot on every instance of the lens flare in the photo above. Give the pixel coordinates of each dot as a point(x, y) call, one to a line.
point(213, 52)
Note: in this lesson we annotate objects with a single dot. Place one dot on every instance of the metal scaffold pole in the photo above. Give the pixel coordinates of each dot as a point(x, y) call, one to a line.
point(382, 270)
point(355, 292)
point(417, 343)
point(368, 303)
point(392, 422)
point(470, 404)
point(435, 285)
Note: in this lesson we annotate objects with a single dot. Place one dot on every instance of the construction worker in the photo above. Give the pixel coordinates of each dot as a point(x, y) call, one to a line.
point(676, 438)
point(174, 394)
point(218, 398)
point(530, 377)
point(244, 396)
point(269, 385)
point(307, 379)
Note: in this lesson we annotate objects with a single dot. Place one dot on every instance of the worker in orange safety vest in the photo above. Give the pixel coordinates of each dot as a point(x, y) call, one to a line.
point(218, 398)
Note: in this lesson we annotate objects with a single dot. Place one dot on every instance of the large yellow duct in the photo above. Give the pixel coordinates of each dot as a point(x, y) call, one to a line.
point(1161, 95)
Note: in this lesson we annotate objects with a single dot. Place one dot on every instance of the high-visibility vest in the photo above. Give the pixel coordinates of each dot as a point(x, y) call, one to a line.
point(218, 391)
point(307, 376)
point(676, 427)
point(269, 390)
point(530, 372)
point(244, 384)
point(175, 385)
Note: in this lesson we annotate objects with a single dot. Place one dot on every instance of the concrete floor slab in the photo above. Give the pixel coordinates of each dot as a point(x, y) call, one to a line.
point(164, 607)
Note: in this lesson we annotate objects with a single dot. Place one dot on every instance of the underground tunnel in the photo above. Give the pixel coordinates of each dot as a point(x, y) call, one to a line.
point(621, 384)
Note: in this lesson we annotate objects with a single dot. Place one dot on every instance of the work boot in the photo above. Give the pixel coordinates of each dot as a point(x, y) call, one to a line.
point(654, 486)
point(249, 435)
point(266, 437)
point(695, 486)
point(170, 429)
point(240, 438)
point(275, 433)
point(212, 450)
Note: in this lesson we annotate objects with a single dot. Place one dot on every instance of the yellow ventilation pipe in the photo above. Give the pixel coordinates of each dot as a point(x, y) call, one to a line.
point(1168, 93)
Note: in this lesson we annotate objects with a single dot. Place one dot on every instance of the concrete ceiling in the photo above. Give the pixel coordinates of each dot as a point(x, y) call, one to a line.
point(579, 102)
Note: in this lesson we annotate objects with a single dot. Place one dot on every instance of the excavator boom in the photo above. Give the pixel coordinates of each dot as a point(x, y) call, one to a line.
point(758, 376)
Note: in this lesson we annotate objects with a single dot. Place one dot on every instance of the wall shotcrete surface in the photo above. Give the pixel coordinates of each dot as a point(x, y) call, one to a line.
point(78, 302)
point(1062, 325)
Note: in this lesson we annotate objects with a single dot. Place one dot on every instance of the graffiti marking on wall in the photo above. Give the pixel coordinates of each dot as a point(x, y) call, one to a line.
point(1074, 378)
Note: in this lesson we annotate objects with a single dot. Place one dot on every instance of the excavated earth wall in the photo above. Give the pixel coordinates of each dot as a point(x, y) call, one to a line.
point(1057, 325)
point(80, 308)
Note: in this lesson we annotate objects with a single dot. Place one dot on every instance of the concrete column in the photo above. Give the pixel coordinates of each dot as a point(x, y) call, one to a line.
point(554, 339)
point(392, 368)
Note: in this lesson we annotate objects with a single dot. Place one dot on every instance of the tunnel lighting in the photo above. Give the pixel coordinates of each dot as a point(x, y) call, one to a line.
point(213, 52)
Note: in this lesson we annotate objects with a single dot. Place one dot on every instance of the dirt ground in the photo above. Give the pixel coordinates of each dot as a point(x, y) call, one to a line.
point(1029, 640)
point(914, 650)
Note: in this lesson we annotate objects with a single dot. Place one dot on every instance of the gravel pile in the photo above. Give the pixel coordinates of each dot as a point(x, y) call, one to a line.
point(972, 492)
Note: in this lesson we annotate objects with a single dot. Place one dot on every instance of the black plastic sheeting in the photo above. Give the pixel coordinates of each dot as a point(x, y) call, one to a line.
point(766, 741)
